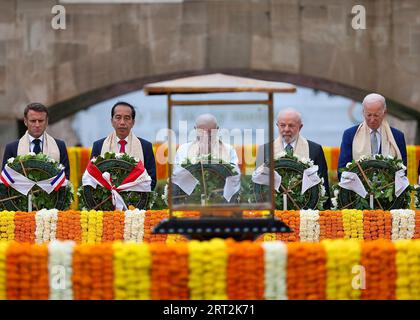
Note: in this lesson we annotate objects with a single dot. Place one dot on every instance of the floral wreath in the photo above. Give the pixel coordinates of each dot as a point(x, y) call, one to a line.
point(377, 174)
point(211, 172)
point(291, 167)
point(119, 166)
point(37, 168)
point(417, 196)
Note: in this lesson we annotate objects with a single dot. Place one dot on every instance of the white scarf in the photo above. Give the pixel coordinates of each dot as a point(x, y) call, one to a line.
point(301, 149)
point(133, 147)
point(49, 146)
point(361, 141)
point(218, 150)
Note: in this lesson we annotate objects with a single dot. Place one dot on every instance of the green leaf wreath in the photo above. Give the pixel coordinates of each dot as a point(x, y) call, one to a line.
point(212, 174)
point(291, 167)
point(119, 165)
point(36, 167)
point(377, 174)
point(417, 196)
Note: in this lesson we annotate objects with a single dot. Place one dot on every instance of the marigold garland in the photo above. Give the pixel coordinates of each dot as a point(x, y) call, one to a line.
point(377, 224)
point(113, 226)
point(216, 269)
point(331, 225)
point(207, 263)
point(306, 272)
point(93, 276)
point(7, 225)
point(135, 225)
point(27, 272)
point(352, 224)
point(408, 269)
point(92, 227)
point(245, 270)
point(292, 219)
point(169, 272)
point(417, 222)
point(69, 226)
point(24, 227)
point(3, 273)
point(131, 263)
point(379, 280)
point(342, 257)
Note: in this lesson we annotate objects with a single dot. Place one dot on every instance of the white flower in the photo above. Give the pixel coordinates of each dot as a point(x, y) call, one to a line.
point(51, 160)
point(119, 155)
point(348, 165)
point(402, 166)
point(165, 194)
point(366, 157)
point(336, 192)
point(334, 203)
point(137, 160)
point(322, 190)
point(282, 154)
point(61, 167)
point(10, 160)
point(31, 153)
point(390, 157)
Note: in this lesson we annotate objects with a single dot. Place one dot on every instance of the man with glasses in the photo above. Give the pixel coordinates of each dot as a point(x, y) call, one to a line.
point(122, 139)
point(373, 136)
point(289, 122)
point(207, 142)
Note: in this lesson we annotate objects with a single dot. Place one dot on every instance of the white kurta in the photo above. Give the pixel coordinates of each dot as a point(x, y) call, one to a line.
point(182, 154)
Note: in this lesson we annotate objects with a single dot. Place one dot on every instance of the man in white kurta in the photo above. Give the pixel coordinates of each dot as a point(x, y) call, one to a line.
point(207, 142)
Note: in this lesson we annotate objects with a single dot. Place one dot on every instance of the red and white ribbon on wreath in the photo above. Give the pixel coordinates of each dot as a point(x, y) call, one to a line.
point(138, 180)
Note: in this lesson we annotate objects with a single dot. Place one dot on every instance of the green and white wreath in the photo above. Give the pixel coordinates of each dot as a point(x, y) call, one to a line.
point(417, 196)
point(290, 169)
point(211, 175)
point(40, 169)
point(376, 175)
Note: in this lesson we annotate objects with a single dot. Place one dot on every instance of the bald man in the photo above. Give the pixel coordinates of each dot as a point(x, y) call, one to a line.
point(289, 122)
point(207, 142)
point(373, 135)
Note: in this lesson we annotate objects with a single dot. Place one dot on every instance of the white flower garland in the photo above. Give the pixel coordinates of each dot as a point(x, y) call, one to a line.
point(275, 259)
point(134, 225)
point(60, 270)
point(46, 225)
point(403, 224)
point(309, 226)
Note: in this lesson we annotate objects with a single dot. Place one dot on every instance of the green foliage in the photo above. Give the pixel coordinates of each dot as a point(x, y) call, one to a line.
point(37, 168)
point(118, 166)
point(211, 174)
point(380, 172)
point(291, 172)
